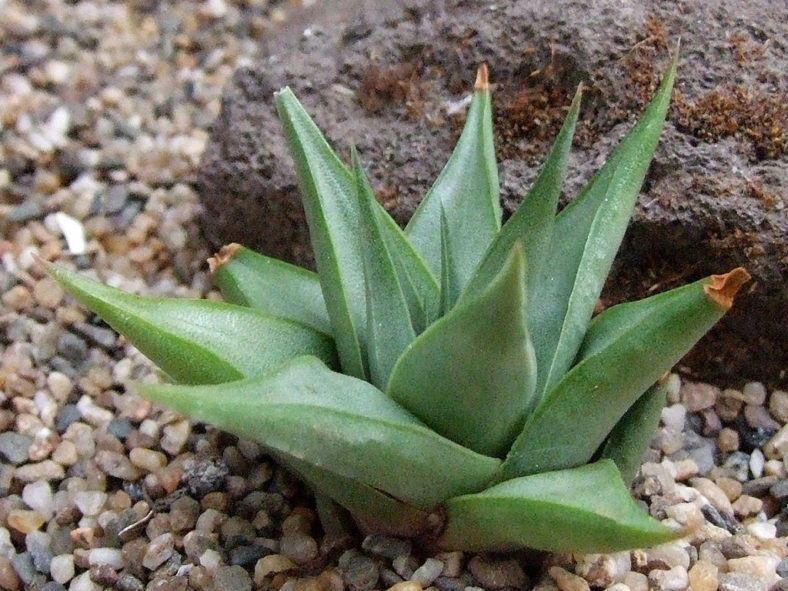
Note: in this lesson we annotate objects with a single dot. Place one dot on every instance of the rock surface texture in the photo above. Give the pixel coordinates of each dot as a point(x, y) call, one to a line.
point(391, 78)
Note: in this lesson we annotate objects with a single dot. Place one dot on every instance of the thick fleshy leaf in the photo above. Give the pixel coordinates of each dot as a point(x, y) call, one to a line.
point(470, 376)
point(331, 208)
point(628, 441)
point(586, 237)
point(389, 328)
point(338, 423)
point(250, 279)
point(585, 509)
point(467, 189)
point(628, 347)
point(417, 282)
point(532, 223)
point(380, 511)
point(198, 341)
point(328, 189)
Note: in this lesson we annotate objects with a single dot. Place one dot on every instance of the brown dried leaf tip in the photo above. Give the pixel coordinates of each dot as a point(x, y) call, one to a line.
point(482, 78)
point(223, 257)
point(723, 288)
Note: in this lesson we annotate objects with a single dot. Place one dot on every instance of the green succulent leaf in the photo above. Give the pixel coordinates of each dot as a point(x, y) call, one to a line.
point(198, 341)
point(628, 347)
point(586, 237)
point(250, 279)
point(471, 375)
point(628, 441)
point(532, 223)
point(340, 424)
point(467, 189)
point(329, 194)
point(388, 318)
point(385, 513)
point(585, 509)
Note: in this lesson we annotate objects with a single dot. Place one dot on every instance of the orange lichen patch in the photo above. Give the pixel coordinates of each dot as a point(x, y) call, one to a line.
point(723, 288)
point(736, 110)
point(384, 85)
point(482, 78)
point(222, 257)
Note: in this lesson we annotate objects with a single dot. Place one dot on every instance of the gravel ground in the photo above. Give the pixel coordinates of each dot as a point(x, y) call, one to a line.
point(104, 108)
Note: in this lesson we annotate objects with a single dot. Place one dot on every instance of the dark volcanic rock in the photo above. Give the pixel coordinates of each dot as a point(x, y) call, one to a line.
point(388, 76)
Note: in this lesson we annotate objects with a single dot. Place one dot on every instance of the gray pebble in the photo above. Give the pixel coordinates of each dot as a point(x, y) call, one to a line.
point(38, 544)
point(388, 577)
point(298, 547)
point(247, 556)
point(72, 347)
point(759, 487)
point(738, 465)
point(184, 512)
point(782, 568)
point(237, 531)
point(780, 490)
point(52, 586)
point(232, 578)
point(741, 582)
point(115, 199)
point(196, 542)
point(496, 574)
point(386, 546)
point(361, 573)
point(428, 572)
point(15, 447)
point(103, 337)
point(24, 567)
point(68, 414)
point(128, 582)
point(120, 427)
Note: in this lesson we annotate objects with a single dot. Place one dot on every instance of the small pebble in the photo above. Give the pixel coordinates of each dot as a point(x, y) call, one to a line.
point(428, 572)
point(386, 546)
point(778, 405)
point(741, 582)
point(703, 576)
point(14, 447)
point(38, 496)
point(25, 521)
point(496, 574)
point(754, 393)
point(271, 565)
point(90, 502)
point(298, 547)
point(159, 550)
point(727, 440)
point(674, 579)
point(232, 578)
point(62, 568)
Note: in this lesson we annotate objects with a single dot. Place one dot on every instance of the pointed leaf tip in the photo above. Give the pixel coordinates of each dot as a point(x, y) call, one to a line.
point(723, 288)
point(221, 258)
point(482, 78)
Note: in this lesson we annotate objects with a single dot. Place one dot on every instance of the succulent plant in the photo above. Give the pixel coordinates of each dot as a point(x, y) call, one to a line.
point(445, 380)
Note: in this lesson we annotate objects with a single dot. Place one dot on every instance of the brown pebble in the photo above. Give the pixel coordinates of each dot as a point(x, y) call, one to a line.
point(405, 586)
point(25, 521)
point(729, 405)
point(567, 581)
point(9, 580)
point(746, 506)
point(17, 298)
point(730, 486)
point(728, 440)
point(48, 293)
point(778, 405)
point(116, 465)
point(83, 537)
point(703, 576)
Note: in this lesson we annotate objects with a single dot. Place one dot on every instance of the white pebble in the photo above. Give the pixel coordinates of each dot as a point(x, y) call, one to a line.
point(38, 495)
point(762, 529)
point(757, 462)
point(93, 413)
point(83, 583)
point(159, 550)
point(111, 557)
point(73, 231)
point(754, 393)
point(211, 560)
point(62, 568)
point(90, 502)
point(674, 416)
